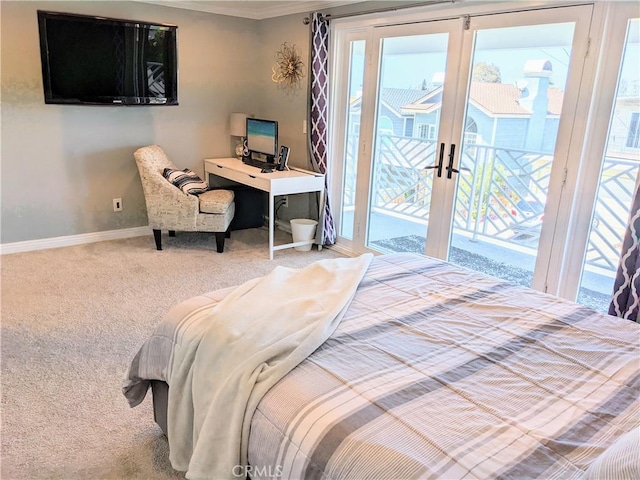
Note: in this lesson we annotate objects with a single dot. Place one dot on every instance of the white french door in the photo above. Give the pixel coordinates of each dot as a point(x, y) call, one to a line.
point(455, 137)
point(611, 165)
point(400, 154)
point(510, 178)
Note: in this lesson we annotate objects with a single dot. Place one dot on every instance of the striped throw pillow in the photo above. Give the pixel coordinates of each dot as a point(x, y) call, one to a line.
point(185, 180)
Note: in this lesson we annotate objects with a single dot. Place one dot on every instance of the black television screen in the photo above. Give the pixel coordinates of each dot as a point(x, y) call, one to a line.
point(106, 61)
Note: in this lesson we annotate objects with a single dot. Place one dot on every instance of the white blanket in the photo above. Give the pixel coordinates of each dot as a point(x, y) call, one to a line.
point(238, 350)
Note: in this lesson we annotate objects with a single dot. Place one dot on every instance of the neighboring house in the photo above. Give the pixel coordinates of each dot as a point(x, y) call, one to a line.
point(391, 110)
point(496, 115)
point(501, 115)
point(524, 116)
point(391, 119)
point(624, 137)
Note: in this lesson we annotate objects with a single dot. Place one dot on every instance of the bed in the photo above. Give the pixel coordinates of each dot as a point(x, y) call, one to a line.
point(435, 371)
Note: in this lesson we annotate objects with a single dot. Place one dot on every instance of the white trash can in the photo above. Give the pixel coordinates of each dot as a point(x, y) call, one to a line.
point(303, 229)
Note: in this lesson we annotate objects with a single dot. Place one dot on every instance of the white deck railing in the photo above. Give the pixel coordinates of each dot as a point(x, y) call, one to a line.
point(501, 193)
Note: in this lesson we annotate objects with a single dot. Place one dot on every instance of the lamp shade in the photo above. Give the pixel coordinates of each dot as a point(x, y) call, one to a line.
point(238, 124)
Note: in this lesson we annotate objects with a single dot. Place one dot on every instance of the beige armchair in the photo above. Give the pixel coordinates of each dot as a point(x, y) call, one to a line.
point(169, 208)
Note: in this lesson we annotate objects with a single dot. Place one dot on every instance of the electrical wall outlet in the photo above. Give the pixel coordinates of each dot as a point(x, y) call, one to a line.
point(117, 204)
point(285, 202)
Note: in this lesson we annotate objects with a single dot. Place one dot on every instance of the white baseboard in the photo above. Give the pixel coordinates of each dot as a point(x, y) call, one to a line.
point(344, 251)
point(69, 240)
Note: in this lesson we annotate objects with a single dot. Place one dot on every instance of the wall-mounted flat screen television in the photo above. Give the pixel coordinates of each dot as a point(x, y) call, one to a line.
point(91, 60)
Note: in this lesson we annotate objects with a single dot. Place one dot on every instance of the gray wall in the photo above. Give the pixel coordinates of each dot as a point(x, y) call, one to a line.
point(63, 165)
point(289, 109)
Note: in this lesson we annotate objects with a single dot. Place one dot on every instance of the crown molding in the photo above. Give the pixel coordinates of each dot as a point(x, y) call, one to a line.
point(254, 10)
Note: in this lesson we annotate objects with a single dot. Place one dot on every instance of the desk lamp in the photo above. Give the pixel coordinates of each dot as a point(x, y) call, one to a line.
point(238, 128)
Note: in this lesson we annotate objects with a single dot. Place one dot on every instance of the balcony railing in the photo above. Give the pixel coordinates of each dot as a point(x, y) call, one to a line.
point(501, 193)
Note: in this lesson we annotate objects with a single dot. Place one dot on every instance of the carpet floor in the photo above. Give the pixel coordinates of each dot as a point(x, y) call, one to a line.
point(72, 319)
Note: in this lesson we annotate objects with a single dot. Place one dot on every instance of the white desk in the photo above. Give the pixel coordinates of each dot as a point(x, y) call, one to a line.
point(286, 182)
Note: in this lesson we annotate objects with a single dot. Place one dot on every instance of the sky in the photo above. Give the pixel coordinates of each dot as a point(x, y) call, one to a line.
point(407, 61)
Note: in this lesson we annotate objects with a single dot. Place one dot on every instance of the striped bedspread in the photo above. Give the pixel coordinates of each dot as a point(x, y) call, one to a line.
point(439, 372)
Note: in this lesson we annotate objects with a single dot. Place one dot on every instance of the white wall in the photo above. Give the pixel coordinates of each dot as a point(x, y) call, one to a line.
point(62, 165)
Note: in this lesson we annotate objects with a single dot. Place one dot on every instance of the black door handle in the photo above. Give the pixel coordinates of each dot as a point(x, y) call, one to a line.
point(440, 159)
point(450, 168)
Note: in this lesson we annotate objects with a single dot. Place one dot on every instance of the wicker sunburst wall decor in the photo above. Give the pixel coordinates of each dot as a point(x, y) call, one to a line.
point(288, 71)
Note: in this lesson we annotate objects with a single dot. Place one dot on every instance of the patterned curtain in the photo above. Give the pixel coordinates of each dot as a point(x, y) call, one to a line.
point(318, 115)
point(625, 301)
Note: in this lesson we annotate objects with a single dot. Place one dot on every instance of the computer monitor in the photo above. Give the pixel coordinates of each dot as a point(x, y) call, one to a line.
point(262, 137)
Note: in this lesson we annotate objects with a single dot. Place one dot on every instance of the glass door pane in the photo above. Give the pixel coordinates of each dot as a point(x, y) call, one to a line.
point(352, 137)
point(407, 122)
point(512, 116)
point(618, 176)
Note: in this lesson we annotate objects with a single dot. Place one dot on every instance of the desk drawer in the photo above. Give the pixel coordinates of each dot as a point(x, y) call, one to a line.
point(240, 177)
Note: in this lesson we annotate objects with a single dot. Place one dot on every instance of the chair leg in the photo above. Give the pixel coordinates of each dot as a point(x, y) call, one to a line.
point(157, 235)
point(172, 233)
point(220, 236)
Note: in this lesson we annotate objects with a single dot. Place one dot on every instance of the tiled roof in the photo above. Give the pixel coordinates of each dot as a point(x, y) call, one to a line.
point(555, 101)
point(495, 98)
point(503, 99)
point(396, 98)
